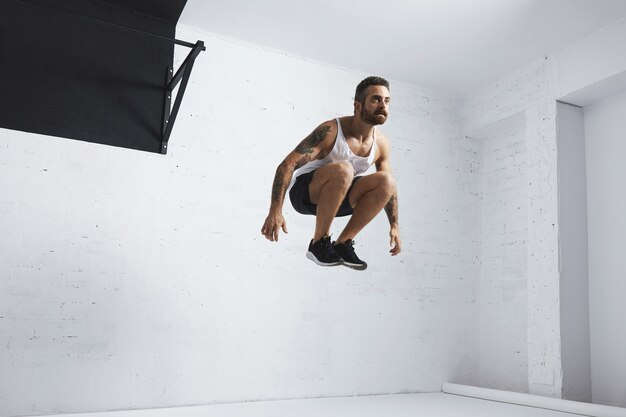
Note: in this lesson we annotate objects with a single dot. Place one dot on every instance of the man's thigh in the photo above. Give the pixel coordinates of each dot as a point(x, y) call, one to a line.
point(365, 184)
point(326, 173)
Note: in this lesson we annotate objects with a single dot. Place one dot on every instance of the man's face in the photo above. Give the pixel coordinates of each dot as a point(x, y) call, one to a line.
point(375, 109)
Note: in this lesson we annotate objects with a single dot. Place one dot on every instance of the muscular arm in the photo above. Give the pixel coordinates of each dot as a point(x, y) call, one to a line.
point(306, 151)
point(310, 148)
point(391, 208)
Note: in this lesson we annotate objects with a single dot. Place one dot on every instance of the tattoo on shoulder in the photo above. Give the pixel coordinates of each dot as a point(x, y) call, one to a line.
point(314, 139)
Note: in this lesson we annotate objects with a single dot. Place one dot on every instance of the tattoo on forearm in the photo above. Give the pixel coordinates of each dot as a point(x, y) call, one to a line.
point(391, 208)
point(311, 141)
point(284, 172)
point(279, 186)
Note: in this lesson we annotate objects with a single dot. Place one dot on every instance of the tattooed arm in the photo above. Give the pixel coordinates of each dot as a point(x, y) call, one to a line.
point(391, 208)
point(312, 147)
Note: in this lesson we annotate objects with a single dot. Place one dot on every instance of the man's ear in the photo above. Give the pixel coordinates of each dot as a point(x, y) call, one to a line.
point(357, 107)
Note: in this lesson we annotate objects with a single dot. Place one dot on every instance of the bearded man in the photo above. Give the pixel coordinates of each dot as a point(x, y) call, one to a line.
point(329, 167)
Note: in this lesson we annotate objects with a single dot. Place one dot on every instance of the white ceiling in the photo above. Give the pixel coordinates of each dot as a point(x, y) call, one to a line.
point(455, 46)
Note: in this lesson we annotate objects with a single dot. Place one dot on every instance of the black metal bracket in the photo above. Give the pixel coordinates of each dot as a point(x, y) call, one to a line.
point(182, 77)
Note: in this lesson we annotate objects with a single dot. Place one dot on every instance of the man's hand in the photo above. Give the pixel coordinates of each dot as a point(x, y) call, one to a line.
point(273, 223)
point(395, 242)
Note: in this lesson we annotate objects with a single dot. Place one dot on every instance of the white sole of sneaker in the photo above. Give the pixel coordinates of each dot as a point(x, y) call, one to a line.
point(358, 267)
point(314, 259)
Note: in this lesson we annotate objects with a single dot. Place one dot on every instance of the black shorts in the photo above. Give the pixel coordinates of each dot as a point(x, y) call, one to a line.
point(300, 200)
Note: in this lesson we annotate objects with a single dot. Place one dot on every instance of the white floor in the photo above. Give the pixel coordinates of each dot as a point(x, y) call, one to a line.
point(403, 405)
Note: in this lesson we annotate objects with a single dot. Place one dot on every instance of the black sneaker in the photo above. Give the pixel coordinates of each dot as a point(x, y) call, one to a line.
point(346, 251)
point(323, 253)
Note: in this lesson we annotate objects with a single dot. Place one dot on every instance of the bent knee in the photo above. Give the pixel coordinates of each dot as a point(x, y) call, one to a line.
point(386, 182)
point(341, 171)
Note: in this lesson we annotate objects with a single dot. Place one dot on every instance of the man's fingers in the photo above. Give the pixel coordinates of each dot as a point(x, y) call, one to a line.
point(395, 242)
point(268, 231)
point(271, 227)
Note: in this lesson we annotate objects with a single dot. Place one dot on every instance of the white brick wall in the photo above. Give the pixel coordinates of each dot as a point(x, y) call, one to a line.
point(530, 91)
point(138, 280)
point(502, 320)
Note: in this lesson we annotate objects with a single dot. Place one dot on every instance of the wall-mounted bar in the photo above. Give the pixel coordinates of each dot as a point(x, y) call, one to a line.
point(182, 75)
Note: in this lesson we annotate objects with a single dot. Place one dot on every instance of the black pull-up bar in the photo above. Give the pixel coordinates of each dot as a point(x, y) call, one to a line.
point(182, 75)
point(107, 23)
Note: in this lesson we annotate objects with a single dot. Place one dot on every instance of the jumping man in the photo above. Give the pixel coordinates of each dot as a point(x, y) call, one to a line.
point(329, 165)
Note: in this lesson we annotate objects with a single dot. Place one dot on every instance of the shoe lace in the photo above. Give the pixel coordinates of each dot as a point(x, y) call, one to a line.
point(349, 245)
point(325, 241)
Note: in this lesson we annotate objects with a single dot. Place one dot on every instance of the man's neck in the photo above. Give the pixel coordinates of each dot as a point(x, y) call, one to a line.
point(360, 130)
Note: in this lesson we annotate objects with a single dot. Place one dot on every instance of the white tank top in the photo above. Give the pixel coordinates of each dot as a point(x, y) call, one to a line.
point(342, 152)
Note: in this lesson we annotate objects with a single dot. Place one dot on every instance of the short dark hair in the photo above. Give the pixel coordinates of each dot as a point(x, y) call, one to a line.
point(359, 95)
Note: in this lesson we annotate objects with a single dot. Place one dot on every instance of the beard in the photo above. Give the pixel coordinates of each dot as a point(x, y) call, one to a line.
point(373, 118)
